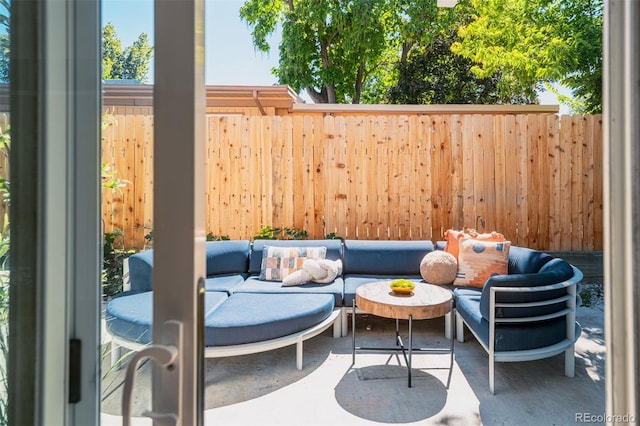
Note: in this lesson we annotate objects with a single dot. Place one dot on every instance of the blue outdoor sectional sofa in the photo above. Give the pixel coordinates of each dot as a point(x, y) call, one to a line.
point(527, 314)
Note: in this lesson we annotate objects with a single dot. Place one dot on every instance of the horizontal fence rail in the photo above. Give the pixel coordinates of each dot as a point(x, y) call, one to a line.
point(536, 178)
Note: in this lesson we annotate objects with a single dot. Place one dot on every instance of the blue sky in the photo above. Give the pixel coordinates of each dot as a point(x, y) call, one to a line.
point(229, 53)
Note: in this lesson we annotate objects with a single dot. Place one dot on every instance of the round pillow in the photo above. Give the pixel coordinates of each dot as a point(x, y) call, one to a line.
point(439, 267)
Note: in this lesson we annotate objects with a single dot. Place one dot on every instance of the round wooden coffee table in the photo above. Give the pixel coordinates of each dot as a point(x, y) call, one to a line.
point(426, 301)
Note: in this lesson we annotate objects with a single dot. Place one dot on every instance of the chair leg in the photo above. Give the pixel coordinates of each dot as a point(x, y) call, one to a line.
point(299, 354)
point(570, 362)
point(337, 326)
point(459, 328)
point(492, 371)
point(344, 321)
point(116, 355)
point(448, 325)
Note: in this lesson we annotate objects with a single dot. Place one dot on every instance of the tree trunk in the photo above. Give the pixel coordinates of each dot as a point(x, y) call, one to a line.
point(358, 88)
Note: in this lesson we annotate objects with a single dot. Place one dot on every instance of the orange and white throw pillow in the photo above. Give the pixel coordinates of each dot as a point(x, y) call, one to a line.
point(478, 260)
point(453, 237)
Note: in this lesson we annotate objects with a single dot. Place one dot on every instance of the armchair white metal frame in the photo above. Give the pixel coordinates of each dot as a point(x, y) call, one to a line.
point(567, 345)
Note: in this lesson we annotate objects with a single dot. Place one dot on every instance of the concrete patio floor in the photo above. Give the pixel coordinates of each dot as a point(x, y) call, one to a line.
point(266, 388)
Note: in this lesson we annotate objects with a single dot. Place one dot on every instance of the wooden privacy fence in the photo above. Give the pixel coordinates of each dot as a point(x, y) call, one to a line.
point(537, 178)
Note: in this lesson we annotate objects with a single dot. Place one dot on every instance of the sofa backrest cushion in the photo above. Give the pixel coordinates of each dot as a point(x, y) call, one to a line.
point(382, 257)
point(227, 257)
point(526, 261)
point(222, 257)
point(554, 271)
point(140, 270)
point(334, 249)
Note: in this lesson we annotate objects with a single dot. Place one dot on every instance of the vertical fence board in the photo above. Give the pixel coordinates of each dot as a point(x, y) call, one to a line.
point(510, 211)
point(534, 180)
point(319, 187)
point(576, 181)
point(587, 183)
point(211, 163)
point(266, 157)
point(468, 173)
point(565, 182)
point(553, 197)
point(382, 181)
point(500, 177)
point(598, 238)
point(456, 218)
point(372, 172)
point(522, 217)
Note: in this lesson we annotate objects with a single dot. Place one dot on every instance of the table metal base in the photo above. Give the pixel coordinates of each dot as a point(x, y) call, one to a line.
point(407, 351)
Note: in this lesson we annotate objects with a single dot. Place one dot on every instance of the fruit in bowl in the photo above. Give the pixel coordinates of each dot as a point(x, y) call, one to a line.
point(402, 286)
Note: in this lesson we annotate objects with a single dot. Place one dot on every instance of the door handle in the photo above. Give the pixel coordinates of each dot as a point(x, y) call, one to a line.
point(166, 356)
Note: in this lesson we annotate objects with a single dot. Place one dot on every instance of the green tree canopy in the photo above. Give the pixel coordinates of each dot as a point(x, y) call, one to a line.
point(130, 63)
point(339, 50)
point(4, 41)
point(536, 42)
point(432, 74)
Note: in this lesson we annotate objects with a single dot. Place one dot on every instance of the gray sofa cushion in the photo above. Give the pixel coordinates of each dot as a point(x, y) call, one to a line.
point(248, 317)
point(334, 249)
point(381, 257)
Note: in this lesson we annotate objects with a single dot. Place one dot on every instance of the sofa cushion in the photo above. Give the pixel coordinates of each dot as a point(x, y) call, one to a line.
point(247, 317)
point(352, 282)
point(555, 271)
point(509, 337)
point(140, 270)
point(227, 257)
point(130, 315)
point(526, 261)
point(253, 284)
point(381, 257)
point(334, 250)
point(224, 283)
point(278, 262)
point(453, 237)
point(222, 257)
point(478, 260)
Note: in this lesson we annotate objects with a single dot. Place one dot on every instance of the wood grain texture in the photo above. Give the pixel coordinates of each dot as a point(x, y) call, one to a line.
point(427, 301)
point(535, 177)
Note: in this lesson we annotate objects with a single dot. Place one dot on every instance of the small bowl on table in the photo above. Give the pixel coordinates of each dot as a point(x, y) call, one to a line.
point(402, 286)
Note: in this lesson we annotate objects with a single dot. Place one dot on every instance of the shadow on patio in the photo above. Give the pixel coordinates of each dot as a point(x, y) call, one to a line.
point(266, 388)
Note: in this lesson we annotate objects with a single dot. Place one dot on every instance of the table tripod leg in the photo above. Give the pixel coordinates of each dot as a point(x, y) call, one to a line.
point(353, 332)
point(410, 348)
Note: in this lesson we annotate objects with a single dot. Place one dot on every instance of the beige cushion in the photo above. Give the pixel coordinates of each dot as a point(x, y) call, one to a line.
point(439, 267)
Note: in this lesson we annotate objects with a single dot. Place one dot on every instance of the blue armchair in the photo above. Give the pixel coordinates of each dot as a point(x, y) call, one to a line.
point(526, 315)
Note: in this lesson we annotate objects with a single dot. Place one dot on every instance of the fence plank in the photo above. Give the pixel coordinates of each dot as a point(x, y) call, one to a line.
point(587, 183)
point(577, 227)
point(553, 197)
point(598, 237)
